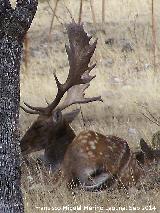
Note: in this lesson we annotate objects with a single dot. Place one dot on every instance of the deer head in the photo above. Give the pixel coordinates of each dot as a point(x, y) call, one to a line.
point(147, 155)
point(52, 126)
point(94, 161)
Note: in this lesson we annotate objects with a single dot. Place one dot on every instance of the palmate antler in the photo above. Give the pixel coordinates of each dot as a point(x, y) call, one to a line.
point(79, 54)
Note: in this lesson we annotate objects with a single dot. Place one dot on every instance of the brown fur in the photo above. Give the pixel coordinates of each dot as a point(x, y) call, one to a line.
point(110, 154)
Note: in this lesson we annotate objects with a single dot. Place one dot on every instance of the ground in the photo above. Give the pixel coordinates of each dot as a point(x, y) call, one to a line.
point(127, 78)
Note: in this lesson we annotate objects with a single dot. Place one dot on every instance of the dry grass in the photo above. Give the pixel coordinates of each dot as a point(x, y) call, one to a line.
point(126, 80)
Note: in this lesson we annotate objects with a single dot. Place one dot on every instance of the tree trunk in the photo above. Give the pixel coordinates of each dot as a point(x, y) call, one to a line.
point(14, 23)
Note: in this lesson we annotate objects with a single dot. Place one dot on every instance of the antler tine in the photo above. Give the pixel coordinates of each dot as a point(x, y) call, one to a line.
point(75, 95)
point(39, 109)
point(34, 110)
point(29, 111)
point(86, 77)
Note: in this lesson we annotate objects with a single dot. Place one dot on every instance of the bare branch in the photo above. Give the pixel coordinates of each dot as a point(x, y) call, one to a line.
point(151, 117)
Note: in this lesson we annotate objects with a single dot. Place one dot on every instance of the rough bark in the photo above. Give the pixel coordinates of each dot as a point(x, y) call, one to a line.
point(14, 23)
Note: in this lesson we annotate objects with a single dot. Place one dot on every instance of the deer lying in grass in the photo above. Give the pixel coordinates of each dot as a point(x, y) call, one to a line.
point(52, 129)
point(90, 160)
point(94, 161)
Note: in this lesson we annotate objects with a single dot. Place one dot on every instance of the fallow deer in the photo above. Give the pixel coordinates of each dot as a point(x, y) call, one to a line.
point(52, 127)
point(90, 160)
point(94, 161)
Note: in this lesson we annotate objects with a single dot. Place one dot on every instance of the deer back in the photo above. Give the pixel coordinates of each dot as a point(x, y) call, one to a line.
point(93, 160)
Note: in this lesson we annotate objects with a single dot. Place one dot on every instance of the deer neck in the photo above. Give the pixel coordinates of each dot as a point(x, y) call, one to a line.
point(57, 145)
point(65, 132)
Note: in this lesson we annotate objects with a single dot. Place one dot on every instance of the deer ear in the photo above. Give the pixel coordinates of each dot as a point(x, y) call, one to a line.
point(145, 148)
point(69, 117)
point(57, 116)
